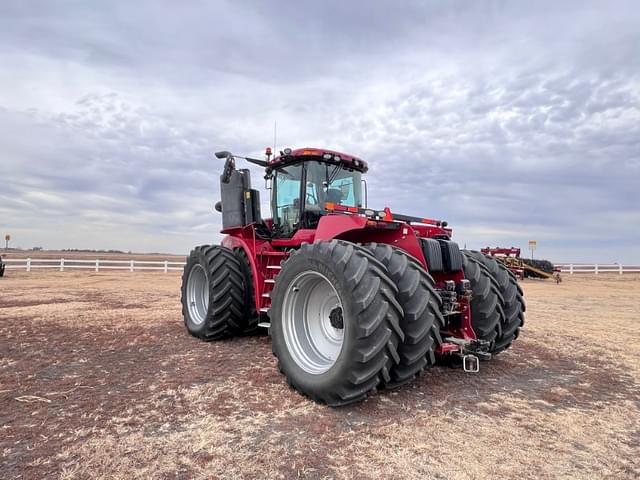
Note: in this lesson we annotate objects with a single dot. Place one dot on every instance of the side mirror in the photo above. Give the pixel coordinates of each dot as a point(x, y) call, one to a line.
point(223, 154)
point(218, 207)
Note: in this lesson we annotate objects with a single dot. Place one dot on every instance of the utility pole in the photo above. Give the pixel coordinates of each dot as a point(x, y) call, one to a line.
point(7, 237)
point(532, 246)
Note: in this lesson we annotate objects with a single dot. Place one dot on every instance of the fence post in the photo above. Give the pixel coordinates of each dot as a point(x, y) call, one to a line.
point(571, 269)
point(620, 269)
point(131, 266)
point(28, 264)
point(596, 269)
point(62, 264)
point(166, 266)
point(97, 265)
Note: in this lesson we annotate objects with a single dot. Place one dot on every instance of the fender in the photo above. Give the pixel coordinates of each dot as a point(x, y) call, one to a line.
point(357, 229)
point(247, 243)
point(331, 226)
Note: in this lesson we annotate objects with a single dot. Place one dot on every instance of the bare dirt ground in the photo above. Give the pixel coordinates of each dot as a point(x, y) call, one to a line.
point(98, 379)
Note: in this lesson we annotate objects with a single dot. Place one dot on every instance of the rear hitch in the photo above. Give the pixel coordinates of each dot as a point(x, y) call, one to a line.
point(471, 351)
point(470, 363)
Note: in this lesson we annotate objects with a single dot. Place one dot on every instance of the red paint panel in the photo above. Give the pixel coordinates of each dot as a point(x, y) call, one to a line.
point(331, 226)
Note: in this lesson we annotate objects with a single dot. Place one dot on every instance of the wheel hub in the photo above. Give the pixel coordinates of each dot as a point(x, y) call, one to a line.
point(197, 294)
point(335, 318)
point(313, 322)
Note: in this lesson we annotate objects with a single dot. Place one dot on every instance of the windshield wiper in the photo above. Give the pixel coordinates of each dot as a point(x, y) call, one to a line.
point(333, 175)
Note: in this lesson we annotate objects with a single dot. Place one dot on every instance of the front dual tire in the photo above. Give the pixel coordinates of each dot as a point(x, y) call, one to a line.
point(214, 294)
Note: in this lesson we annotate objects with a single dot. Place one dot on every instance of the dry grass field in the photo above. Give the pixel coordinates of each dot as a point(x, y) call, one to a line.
point(98, 379)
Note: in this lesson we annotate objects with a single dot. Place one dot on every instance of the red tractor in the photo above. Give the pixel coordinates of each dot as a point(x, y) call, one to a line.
point(355, 299)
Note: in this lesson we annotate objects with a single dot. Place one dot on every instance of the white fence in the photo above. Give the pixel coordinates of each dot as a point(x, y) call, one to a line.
point(97, 265)
point(597, 268)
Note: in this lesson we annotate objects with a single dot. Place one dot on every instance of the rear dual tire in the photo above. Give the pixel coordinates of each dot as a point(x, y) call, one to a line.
point(335, 322)
point(497, 303)
point(422, 307)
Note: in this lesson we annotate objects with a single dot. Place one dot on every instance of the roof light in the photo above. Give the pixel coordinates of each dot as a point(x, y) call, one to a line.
point(287, 151)
point(327, 156)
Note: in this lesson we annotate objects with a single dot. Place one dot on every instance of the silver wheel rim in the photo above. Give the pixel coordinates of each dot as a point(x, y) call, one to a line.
point(197, 294)
point(312, 340)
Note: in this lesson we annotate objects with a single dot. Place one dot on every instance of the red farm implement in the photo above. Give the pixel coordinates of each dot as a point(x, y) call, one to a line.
point(523, 267)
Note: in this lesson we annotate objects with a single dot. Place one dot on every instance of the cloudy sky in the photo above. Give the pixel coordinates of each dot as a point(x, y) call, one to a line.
point(511, 120)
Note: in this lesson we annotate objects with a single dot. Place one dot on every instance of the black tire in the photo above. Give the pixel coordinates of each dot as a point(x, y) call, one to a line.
point(544, 265)
point(487, 303)
point(371, 322)
point(2, 267)
point(224, 312)
point(249, 324)
point(547, 266)
point(422, 319)
point(513, 302)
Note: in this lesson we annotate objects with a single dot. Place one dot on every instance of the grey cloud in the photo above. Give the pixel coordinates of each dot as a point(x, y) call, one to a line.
point(510, 120)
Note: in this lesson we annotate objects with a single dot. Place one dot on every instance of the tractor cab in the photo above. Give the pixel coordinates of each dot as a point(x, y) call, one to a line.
point(303, 182)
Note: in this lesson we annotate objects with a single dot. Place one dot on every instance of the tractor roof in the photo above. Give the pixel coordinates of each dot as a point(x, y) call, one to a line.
point(318, 154)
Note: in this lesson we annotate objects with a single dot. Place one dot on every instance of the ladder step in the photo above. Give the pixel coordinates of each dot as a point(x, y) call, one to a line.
point(264, 310)
point(266, 295)
point(274, 267)
point(265, 324)
point(270, 253)
point(269, 280)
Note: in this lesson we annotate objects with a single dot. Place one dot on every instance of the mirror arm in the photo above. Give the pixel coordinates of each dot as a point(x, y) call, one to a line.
point(262, 163)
